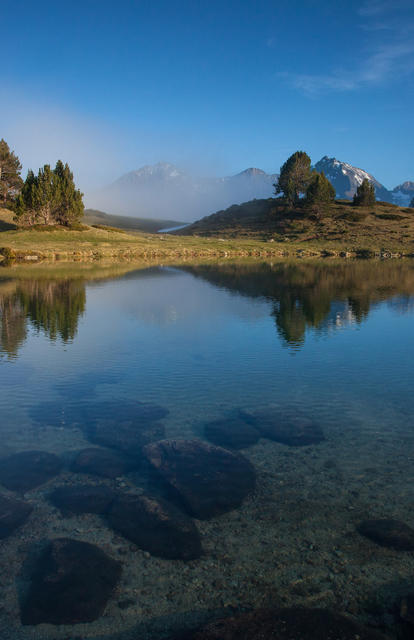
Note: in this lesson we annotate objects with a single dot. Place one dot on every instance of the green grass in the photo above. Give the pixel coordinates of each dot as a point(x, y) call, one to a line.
point(263, 228)
point(337, 226)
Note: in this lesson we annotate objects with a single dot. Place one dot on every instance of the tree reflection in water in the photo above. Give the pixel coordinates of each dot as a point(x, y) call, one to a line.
point(316, 295)
point(51, 306)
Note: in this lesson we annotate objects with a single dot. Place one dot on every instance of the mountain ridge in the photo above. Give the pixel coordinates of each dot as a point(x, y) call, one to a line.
point(163, 190)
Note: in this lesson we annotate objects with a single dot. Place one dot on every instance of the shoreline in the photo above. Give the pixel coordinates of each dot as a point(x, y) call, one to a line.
point(9, 255)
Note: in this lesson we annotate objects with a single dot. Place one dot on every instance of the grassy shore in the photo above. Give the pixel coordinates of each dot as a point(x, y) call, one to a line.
point(367, 238)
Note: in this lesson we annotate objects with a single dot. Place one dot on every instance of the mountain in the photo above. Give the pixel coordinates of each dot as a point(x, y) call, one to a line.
point(165, 191)
point(403, 194)
point(346, 179)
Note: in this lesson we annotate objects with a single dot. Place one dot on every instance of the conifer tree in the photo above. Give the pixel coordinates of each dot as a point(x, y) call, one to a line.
point(365, 194)
point(320, 189)
point(295, 176)
point(412, 203)
point(10, 168)
point(70, 207)
point(49, 198)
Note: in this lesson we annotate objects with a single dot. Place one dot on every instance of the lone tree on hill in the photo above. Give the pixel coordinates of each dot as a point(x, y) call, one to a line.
point(365, 194)
point(295, 176)
point(10, 168)
point(412, 203)
point(320, 189)
point(49, 198)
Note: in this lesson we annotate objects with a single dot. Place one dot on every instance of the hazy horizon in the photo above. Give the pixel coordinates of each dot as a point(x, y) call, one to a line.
point(211, 89)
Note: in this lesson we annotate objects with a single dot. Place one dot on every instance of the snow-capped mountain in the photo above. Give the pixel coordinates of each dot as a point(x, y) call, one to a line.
point(150, 173)
point(403, 194)
point(164, 191)
point(346, 179)
point(161, 190)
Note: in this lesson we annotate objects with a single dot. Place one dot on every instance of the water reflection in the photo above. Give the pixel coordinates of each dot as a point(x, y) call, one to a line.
point(317, 296)
point(51, 306)
point(191, 353)
point(305, 296)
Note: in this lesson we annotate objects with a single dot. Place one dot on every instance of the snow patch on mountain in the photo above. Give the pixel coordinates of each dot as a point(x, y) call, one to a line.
point(403, 193)
point(345, 178)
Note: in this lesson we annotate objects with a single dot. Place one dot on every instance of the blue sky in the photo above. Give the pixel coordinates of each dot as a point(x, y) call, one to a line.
point(212, 86)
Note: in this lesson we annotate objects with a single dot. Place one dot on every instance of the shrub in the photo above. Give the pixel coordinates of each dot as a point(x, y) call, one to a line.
point(389, 216)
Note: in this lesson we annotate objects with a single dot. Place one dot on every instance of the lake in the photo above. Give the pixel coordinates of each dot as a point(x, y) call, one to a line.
point(301, 370)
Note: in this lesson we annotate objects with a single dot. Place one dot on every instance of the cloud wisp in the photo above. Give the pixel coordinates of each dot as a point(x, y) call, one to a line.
point(385, 61)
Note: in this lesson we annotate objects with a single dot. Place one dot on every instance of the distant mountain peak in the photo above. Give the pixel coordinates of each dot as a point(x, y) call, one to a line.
point(158, 169)
point(405, 187)
point(345, 178)
point(403, 193)
point(252, 171)
point(150, 173)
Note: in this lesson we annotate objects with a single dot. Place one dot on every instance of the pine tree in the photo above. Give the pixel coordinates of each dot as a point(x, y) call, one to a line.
point(10, 168)
point(412, 203)
point(295, 176)
point(365, 194)
point(71, 206)
point(49, 198)
point(320, 189)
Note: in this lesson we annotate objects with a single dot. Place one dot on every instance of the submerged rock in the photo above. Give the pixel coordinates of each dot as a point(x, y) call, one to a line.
point(285, 624)
point(125, 426)
point(13, 513)
point(83, 498)
point(29, 469)
point(101, 462)
point(231, 432)
point(287, 426)
point(388, 533)
point(58, 413)
point(207, 480)
point(126, 436)
point(155, 526)
point(71, 584)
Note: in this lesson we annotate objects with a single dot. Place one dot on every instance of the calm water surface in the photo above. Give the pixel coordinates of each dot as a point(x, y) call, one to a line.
point(329, 342)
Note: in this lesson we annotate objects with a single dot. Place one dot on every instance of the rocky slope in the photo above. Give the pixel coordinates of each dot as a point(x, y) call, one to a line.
point(346, 179)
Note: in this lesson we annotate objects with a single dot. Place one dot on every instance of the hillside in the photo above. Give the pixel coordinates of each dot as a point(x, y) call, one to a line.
point(147, 225)
point(384, 225)
point(163, 187)
point(261, 228)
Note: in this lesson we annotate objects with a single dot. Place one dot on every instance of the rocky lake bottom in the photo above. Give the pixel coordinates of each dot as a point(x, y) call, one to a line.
point(139, 504)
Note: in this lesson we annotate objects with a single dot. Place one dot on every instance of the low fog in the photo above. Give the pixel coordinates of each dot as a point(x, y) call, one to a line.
point(166, 192)
point(126, 172)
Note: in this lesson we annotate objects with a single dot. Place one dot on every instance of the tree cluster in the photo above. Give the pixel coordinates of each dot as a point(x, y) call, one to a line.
point(297, 179)
point(320, 189)
point(365, 194)
point(10, 169)
point(49, 198)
